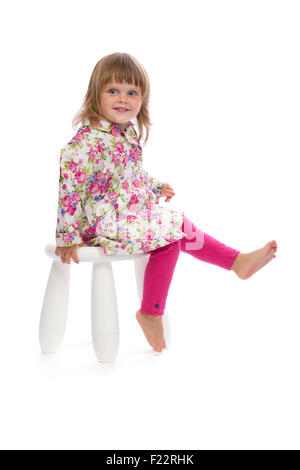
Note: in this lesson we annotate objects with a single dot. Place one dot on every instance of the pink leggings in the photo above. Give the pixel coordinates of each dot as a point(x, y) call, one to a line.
point(162, 261)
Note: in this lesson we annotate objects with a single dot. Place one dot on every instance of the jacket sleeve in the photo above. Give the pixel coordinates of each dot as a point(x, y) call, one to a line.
point(149, 181)
point(152, 183)
point(73, 178)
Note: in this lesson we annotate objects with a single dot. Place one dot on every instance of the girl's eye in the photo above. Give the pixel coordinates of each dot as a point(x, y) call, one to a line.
point(113, 89)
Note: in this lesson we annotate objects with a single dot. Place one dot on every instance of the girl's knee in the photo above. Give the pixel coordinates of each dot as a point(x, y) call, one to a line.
point(173, 248)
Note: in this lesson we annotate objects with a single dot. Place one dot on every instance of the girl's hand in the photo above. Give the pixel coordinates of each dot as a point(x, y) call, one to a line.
point(68, 252)
point(167, 191)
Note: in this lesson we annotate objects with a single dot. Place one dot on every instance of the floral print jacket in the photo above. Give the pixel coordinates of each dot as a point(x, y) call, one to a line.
point(106, 198)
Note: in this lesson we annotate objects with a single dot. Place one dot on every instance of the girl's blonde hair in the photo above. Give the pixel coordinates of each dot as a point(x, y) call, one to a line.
point(119, 67)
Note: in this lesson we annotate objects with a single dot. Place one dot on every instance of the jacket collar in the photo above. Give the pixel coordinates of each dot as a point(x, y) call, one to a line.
point(108, 126)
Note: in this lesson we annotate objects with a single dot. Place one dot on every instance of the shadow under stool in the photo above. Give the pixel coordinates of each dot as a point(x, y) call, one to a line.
point(104, 309)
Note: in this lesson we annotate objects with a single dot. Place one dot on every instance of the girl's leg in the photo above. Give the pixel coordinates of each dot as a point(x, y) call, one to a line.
point(158, 276)
point(161, 265)
point(157, 279)
point(206, 248)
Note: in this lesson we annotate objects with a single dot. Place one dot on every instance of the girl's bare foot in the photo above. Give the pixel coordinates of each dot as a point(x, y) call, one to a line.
point(246, 264)
point(153, 329)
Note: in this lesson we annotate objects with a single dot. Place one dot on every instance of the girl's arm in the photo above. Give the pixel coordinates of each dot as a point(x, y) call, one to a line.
point(152, 183)
point(74, 172)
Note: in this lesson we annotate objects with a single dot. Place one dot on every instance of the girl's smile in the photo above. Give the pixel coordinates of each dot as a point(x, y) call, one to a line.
point(122, 110)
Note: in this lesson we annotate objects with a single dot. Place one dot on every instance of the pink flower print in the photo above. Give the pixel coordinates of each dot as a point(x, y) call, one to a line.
point(66, 201)
point(93, 188)
point(92, 230)
point(76, 197)
point(80, 176)
point(99, 228)
point(119, 147)
point(123, 246)
point(114, 131)
point(137, 183)
point(149, 234)
point(72, 166)
point(100, 176)
point(66, 238)
point(149, 192)
point(136, 155)
point(66, 176)
point(78, 137)
point(71, 210)
point(85, 130)
point(146, 246)
point(145, 180)
point(100, 147)
point(64, 186)
point(150, 205)
point(125, 185)
point(113, 195)
point(116, 159)
point(92, 153)
point(134, 199)
point(125, 160)
point(133, 207)
point(103, 188)
point(131, 218)
point(76, 225)
point(144, 215)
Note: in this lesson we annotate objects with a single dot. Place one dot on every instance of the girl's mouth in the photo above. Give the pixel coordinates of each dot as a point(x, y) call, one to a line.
point(121, 110)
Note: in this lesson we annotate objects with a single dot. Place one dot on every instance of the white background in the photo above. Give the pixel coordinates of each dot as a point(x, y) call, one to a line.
point(225, 110)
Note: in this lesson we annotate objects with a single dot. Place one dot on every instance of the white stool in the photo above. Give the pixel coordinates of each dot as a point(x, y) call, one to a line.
point(105, 319)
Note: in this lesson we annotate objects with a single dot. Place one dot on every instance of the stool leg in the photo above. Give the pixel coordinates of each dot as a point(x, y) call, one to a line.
point(105, 320)
point(140, 267)
point(55, 308)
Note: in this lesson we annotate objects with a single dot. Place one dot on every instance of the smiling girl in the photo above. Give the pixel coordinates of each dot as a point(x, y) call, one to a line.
point(107, 199)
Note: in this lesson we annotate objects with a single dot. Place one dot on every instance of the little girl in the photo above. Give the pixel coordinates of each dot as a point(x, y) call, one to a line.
point(107, 199)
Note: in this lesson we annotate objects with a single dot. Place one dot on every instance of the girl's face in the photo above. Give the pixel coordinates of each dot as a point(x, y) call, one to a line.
point(124, 96)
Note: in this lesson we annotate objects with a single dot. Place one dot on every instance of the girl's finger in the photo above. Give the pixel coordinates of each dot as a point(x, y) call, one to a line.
point(75, 257)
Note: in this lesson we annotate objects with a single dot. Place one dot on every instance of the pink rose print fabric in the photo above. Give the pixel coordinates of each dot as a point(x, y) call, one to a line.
point(106, 198)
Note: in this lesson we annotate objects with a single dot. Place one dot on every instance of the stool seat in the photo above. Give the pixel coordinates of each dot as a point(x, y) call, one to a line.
point(104, 309)
point(94, 254)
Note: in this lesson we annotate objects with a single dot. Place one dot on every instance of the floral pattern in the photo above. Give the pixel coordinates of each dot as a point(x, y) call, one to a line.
point(106, 198)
